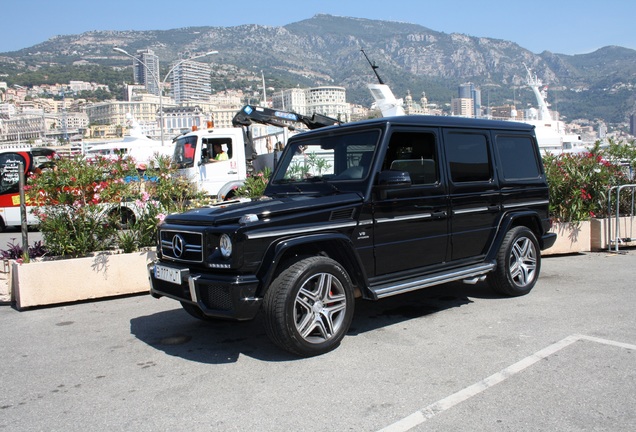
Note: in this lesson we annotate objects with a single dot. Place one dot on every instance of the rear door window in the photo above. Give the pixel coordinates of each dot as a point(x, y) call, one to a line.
point(517, 157)
point(467, 154)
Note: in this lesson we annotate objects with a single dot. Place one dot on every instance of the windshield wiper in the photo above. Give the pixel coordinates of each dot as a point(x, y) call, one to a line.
point(323, 180)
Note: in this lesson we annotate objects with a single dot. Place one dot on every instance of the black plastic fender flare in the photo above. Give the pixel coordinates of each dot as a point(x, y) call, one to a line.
point(346, 255)
point(506, 223)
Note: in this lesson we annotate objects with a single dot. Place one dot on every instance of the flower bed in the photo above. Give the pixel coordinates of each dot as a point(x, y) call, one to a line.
point(85, 206)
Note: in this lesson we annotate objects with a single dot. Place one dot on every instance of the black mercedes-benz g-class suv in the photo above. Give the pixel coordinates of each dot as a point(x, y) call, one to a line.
point(367, 209)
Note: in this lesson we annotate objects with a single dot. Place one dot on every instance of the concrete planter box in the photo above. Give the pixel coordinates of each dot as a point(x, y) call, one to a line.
point(601, 238)
point(68, 280)
point(571, 238)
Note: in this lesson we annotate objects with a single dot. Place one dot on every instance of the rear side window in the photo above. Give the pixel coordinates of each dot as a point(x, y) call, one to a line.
point(518, 157)
point(467, 155)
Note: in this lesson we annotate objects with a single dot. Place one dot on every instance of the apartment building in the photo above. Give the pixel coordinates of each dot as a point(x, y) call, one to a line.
point(146, 70)
point(191, 82)
point(326, 100)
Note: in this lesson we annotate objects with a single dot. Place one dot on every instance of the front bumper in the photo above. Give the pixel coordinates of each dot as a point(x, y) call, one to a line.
point(221, 296)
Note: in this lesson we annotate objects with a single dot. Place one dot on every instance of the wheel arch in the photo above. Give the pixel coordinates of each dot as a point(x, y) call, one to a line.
point(335, 246)
point(122, 209)
point(529, 219)
point(226, 191)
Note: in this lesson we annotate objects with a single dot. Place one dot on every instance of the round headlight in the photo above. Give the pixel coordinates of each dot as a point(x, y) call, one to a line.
point(225, 246)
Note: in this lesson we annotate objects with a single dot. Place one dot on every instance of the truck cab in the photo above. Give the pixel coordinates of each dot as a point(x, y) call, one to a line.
point(195, 155)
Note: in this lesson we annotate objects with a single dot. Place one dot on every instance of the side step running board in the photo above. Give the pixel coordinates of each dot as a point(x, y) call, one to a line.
point(406, 285)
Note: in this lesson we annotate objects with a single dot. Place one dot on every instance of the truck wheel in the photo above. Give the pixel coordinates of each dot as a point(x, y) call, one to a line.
point(196, 312)
point(518, 263)
point(123, 217)
point(309, 306)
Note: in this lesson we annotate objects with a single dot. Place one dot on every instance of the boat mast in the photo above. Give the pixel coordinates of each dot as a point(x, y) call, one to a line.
point(534, 83)
point(384, 98)
point(373, 66)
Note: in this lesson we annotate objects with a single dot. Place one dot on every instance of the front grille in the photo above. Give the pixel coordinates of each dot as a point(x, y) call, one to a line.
point(216, 297)
point(184, 246)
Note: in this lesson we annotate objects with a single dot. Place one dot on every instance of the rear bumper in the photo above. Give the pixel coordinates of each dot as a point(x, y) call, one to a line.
point(221, 296)
point(547, 240)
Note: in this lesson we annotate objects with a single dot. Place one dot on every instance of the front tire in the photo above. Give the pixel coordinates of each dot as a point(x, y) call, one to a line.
point(518, 263)
point(309, 306)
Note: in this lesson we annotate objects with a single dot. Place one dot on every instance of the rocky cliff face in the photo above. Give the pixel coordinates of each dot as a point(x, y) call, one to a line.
point(326, 50)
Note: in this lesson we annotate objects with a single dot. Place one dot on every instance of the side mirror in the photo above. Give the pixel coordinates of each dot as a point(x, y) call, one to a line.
point(391, 180)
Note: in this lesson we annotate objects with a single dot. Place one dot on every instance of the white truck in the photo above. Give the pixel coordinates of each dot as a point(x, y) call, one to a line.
point(196, 155)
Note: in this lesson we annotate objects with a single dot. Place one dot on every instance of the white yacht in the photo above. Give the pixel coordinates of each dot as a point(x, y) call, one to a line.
point(551, 132)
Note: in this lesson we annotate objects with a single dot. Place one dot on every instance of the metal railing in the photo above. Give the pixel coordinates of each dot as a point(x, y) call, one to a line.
point(613, 212)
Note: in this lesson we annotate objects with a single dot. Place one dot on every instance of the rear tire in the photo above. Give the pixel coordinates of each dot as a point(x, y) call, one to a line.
point(309, 306)
point(518, 263)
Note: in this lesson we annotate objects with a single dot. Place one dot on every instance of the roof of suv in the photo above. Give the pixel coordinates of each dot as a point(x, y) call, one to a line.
point(435, 121)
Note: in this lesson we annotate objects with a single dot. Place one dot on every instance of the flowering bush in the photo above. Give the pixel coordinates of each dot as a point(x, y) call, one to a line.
point(579, 182)
point(254, 185)
point(92, 205)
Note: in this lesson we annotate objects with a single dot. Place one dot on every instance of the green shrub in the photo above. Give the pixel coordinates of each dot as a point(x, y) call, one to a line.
point(254, 185)
point(84, 205)
point(579, 182)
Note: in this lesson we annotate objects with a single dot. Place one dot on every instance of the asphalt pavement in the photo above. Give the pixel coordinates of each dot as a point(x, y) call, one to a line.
point(450, 358)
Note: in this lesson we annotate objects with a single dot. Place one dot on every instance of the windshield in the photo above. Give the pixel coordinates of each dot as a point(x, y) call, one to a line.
point(329, 157)
point(184, 151)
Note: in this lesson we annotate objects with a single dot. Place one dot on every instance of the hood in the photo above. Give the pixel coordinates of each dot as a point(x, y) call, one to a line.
point(230, 213)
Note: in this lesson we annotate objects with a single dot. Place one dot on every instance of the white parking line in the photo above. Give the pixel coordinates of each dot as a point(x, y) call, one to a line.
point(442, 405)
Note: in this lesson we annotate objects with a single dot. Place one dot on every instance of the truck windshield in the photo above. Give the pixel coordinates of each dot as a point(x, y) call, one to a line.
point(330, 157)
point(184, 151)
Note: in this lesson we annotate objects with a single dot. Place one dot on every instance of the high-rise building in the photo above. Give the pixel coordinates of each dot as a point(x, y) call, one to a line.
point(468, 91)
point(632, 124)
point(146, 70)
point(191, 82)
point(463, 107)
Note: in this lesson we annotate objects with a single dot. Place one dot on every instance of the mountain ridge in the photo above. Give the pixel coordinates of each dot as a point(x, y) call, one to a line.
point(325, 50)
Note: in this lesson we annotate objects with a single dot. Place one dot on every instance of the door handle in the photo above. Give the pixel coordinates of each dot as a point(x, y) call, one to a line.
point(232, 172)
point(439, 215)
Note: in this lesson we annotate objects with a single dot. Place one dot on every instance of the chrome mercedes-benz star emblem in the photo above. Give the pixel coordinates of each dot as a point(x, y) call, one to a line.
point(178, 245)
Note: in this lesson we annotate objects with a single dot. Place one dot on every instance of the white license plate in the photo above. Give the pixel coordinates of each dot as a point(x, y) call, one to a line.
point(168, 274)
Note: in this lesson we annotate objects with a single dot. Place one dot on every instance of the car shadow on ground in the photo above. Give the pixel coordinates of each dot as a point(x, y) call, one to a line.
point(178, 334)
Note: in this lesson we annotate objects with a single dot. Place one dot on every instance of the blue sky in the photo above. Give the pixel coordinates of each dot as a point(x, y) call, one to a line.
point(560, 26)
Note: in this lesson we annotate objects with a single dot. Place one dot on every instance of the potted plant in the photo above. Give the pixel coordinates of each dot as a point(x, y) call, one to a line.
point(97, 218)
point(579, 188)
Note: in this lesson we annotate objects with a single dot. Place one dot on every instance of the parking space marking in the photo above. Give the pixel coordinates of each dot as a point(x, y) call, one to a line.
point(448, 402)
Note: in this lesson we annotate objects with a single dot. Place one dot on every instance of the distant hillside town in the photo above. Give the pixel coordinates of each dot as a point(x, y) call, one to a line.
point(54, 114)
